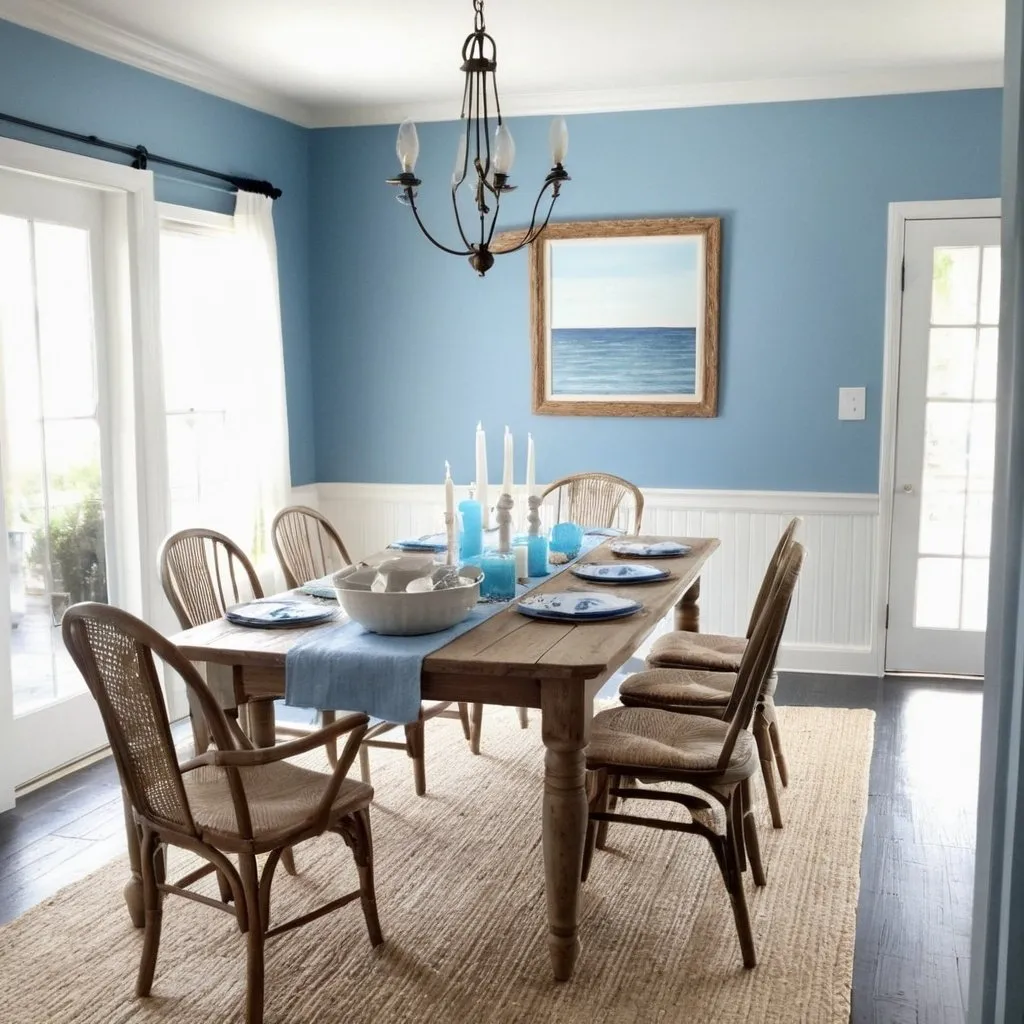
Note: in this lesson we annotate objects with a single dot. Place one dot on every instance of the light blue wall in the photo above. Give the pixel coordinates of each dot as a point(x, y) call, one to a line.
point(45, 80)
point(410, 349)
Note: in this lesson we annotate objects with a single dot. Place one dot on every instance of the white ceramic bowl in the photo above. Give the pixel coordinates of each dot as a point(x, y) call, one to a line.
point(401, 613)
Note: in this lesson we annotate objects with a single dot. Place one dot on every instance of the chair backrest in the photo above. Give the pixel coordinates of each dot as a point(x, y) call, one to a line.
point(593, 499)
point(203, 573)
point(114, 652)
point(307, 545)
point(762, 650)
point(772, 572)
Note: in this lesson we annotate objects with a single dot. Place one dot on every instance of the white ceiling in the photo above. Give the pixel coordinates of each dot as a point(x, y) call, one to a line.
point(329, 62)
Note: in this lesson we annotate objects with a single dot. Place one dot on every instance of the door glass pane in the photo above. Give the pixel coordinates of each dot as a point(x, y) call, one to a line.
point(991, 268)
point(985, 371)
point(955, 285)
point(937, 605)
point(975, 596)
point(49, 449)
point(951, 361)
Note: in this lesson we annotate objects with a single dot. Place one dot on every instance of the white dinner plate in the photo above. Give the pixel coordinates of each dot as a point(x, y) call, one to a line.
point(577, 606)
point(618, 572)
point(644, 549)
point(278, 614)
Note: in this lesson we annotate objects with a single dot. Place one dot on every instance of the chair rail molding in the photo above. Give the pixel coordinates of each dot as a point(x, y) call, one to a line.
point(832, 627)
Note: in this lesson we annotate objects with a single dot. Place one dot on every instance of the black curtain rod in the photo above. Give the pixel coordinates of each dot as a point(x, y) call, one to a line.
point(141, 157)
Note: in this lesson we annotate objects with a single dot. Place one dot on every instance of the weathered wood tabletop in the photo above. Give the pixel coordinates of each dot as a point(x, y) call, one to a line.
point(507, 659)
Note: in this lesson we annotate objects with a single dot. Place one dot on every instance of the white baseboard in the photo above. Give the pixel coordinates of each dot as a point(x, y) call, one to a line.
point(832, 624)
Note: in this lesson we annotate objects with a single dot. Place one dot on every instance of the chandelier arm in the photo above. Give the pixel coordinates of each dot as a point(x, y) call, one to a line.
point(458, 220)
point(430, 238)
point(530, 234)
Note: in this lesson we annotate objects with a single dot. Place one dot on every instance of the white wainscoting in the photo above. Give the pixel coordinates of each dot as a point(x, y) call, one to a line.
point(832, 627)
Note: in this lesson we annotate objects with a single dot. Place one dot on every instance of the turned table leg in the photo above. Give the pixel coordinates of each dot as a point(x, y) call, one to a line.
point(565, 726)
point(262, 728)
point(688, 609)
point(133, 888)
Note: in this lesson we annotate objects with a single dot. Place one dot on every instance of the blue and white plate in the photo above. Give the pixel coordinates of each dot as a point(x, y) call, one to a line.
point(577, 606)
point(278, 614)
point(644, 549)
point(432, 542)
point(618, 572)
point(602, 531)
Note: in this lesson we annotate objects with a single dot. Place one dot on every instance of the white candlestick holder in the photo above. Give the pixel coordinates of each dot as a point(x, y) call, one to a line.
point(505, 506)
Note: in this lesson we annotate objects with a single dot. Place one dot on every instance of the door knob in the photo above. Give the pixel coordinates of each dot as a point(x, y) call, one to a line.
point(908, 488)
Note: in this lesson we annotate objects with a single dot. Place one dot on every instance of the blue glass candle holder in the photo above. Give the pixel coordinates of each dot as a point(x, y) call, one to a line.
point(537, 556)
point(471, 536)
point(566, 538)
point(499, 582)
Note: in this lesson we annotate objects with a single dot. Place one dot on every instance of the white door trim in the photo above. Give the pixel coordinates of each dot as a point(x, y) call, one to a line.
point(128, 194)
point(899, 214)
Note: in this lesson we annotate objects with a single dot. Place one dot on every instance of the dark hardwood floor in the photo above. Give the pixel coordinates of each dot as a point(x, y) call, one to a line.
point(917, 864)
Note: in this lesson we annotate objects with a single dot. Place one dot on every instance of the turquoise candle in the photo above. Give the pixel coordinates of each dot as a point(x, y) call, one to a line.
point(471, 538)
point(537, 556)
point(499, 583)
point(567, 538)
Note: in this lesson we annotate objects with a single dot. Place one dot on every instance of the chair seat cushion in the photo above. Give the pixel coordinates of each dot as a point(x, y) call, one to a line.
point(666, 741)
point(678, 687)
point(280, 797)
point(712, 651)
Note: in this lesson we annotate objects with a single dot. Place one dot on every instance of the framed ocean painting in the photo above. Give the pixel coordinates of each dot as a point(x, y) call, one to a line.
point(625, 317)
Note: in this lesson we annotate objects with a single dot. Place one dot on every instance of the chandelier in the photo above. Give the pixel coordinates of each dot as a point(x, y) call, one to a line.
point(486, 161)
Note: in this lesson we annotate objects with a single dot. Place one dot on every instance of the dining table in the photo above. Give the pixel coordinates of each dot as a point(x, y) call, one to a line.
point(508, 659)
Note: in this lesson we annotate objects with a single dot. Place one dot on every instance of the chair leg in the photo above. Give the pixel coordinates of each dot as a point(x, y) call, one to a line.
point(467, 729)
point(328, 718)
point(255, 938)
point(363, 852)
point(414, 748)
point(288, 860)
point(364, 764)
point(773, 733)
point(477, 721)
point(764, 751)
point(524, 718)
point(601, 839)
point(750, 839)
point(154, 912)
point(598, 802)
point(733, 876)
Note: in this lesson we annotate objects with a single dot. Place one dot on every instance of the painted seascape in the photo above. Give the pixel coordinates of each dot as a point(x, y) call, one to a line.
point(624, 315)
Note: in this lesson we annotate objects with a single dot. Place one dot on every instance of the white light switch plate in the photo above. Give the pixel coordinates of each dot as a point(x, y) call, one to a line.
point(851, 403)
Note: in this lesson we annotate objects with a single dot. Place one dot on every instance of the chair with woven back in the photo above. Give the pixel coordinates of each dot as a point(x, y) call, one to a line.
point(716, 756)
point(308, 547)
point(594, 499)
point(232, 801)
point(697, 672)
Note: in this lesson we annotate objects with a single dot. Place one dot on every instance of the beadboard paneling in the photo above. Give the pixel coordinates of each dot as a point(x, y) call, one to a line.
point(831, 627)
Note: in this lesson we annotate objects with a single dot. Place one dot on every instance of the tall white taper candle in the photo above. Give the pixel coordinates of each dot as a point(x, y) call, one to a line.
point(481, 474)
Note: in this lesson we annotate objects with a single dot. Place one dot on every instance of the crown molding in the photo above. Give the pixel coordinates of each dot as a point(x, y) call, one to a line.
point(55, 19)
point(877, 82)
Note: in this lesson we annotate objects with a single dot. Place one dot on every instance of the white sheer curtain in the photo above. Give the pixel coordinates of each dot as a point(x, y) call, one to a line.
point(258, 416)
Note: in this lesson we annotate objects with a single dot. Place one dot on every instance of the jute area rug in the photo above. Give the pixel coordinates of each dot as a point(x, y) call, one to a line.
point(461, 897)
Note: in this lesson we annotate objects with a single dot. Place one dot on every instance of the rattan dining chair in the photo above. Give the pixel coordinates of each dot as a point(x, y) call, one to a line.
point(594, 499)
point(308, 547)
point(232, 800)
point(705, 667)
point(717, 757)
point(203, 573)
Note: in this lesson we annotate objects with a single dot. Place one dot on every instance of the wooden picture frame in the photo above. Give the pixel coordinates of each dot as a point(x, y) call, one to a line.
point(650, 317)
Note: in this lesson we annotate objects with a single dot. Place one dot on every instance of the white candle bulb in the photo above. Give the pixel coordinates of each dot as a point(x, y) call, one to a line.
point(407, 146)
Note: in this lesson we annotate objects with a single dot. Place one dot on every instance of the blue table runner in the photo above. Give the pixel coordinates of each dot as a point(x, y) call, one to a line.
point(351, 669)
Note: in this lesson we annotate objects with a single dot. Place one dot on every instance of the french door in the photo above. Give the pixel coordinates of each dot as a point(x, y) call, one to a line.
point(945, 447)
point(55, 456)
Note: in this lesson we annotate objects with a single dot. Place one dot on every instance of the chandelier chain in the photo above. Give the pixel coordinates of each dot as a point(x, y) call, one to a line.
point(478, 16)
